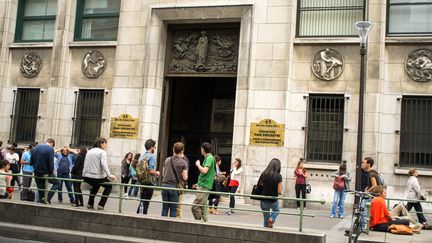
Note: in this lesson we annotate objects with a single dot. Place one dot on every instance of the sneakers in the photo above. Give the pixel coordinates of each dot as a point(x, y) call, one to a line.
point(100, 208)
point(228, 213)
point(270, 223)
point(332, 216)
point(90, 206)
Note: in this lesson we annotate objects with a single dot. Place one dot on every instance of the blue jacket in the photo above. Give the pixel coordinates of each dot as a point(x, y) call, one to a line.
point(71, 158)
point(42, 159)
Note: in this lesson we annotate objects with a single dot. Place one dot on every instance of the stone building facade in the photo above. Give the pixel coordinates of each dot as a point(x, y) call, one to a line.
point(280, 44)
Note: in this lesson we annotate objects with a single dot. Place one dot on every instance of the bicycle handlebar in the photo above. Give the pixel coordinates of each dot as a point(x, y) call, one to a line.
point(360, 193)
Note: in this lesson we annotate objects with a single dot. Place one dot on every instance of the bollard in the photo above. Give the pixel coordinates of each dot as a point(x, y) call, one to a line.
point(120, 198)
point(301, 215)
point(46, 191)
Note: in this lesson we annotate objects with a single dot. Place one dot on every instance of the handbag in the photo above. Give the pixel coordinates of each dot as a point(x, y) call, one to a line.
point(338, 184)
point(257, 190)
point(220, 178)
point(226, 181)
point(179, 183)
point(308, 188)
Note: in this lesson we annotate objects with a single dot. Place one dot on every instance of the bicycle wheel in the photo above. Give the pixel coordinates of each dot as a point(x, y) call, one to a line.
point(354, 231)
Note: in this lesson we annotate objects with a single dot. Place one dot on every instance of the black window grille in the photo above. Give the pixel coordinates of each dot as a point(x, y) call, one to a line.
point(416, 132)
point(325, 128)
point(328, 17)
point(24, 116)
point(88, 117)
point(409, 17)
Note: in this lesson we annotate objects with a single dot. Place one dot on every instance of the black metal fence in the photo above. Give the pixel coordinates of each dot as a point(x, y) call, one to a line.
point(325, 127)
point(416, 131)
point(25, 115)
point(328, 17)
point(88, 117)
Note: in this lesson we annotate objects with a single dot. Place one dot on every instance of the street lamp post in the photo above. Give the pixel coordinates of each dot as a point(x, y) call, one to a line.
point(363, 29)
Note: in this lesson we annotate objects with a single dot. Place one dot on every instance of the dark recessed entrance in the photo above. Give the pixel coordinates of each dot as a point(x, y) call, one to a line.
point(199, 109)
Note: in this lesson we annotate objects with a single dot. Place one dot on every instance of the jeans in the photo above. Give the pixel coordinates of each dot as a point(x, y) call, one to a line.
point(96, 184)
point(79, 201)
point(300, 188)
point(199, 211)
point(169, 196)
point(233, 189)
point(338, 202)
point(384, 227)
point(364, 214)
point(266, 205)
point(40, 184)
point(146, 193)
point(418, 208)
point(68, 187)
point(133, 190)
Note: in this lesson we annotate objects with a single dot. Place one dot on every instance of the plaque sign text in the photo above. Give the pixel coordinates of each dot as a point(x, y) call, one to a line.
point(267, 133)
point(124, 126)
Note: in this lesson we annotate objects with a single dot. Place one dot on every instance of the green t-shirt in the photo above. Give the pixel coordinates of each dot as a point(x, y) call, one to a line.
point(206, 180)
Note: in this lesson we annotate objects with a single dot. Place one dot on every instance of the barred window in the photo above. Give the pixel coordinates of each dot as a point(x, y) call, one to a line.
point(325, 128)
point(409, 17)
point(416, 132)
point(24, 116)
point(88, 117)
point(97, 20)
point(329, 17)
point(35, 20)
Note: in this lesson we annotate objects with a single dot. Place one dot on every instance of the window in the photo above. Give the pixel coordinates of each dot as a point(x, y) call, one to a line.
point(328, 17)
point(97, 19)
point(325, 128)
point(25, 116)
point(35, 20)
point(416, 132)
point(409, 17)
point(88, 117)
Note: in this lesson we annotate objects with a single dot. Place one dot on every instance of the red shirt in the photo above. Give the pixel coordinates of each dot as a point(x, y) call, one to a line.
point(233, 183)
point(378, 212)
point(300, 179)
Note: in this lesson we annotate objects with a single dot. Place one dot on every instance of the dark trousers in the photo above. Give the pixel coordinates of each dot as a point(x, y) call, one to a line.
point(79, 201)
point(68, 188)
point(15, 169)
point(214, 198)
point(96, 184)
point(125, 180)
point(27, 180)
point(418, 208)
point(300, 189)
point(40, 184)
point(233, 189)
point(384, 227)
point(146, 193)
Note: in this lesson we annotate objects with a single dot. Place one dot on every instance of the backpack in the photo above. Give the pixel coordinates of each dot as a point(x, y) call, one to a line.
point(143, 172)
point(380, 181)
point(400, 229)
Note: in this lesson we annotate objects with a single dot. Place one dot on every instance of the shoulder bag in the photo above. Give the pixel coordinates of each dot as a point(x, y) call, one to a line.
point(257, 190)
point(179, 183)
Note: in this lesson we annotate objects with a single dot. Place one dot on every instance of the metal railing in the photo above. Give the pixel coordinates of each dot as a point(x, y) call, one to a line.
point(121, 186)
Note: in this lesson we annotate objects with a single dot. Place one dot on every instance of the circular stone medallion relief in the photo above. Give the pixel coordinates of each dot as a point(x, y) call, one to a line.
point(418, 65)
point(93, 64)
point(31, 64)
point(327, 64)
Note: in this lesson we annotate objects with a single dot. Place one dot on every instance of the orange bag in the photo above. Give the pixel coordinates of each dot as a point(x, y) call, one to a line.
point(400, 229)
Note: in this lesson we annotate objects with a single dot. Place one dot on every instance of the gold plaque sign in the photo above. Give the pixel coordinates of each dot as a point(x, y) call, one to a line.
point(267, 133)
point(124, 126)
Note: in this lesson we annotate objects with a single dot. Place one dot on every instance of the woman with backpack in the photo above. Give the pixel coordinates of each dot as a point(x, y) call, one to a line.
point(340, 184)
point(133, 191)
point(271, 183)
point(125, 172)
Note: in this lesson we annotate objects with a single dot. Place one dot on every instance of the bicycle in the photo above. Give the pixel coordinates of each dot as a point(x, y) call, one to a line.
point(355, 230)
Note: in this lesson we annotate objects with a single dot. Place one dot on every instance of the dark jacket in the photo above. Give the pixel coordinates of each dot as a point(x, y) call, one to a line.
point(125, 168)
point(42, 159)
point(78, 167)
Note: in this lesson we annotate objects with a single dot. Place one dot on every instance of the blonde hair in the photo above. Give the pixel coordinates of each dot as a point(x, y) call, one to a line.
point(412, 171)
point(378, 190)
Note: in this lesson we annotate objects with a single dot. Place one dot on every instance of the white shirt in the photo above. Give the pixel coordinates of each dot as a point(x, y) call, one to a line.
point(12, 158)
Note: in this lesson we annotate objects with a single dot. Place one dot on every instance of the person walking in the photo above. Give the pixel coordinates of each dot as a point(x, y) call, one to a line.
point(271, 184)
point(235, 176)
point(414, 193)
point(340, 185)
point(133, 190)
point(65, 161)
point(174, 176)
point(149, 158)
point(96, 172)
point(76, 173)
point(42, 160)
point(205, 182)
point(217, 187)
point(300, 185)
point(125, 172)
point(13, 159)
point(27, 169)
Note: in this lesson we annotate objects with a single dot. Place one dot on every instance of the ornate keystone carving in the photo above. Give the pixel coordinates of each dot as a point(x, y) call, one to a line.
point(418, 65)
point(327, 64)
point(93, 64)
point(203, 51)
point(31, 64)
